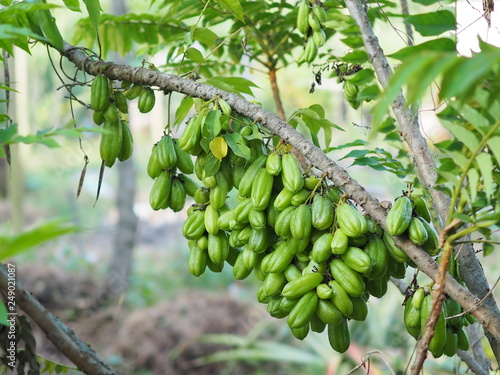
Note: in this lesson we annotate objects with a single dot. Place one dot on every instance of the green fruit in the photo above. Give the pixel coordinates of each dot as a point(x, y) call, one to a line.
point(197, 261)
point(211, 219)
point(301, 332)
point(314, 22)
point(194, 226)
point(160, 192)
point(324, 291)
point(431, 246)
point(322, 212)
point(357, 259)
point(463, 340)
point(133, 92)
point(283, 199)
point(120, 101)
point(316, 324)
point(273, 164)
point(177, 195)
point(146, 100)
point(451, 344)
point(167, 156)
point(328, 313)
point(218, 194)
point(301, 222)
point(375, 249)
point(350, 220)
point(300, 197)
point(282, 224)
point(395, 252)
point(417, 232)
point(319, 37)
point(257, 219)
point(340, 298)
point(291, 173)
point(201, 195)
point(322, 249)
point(412, 319)
point(339, 242)
point(421, 207)
point(262, 189)
point(273, 283)
point(399, 216)
point(191, 134)
point(184, 162)
point(303, 17)
point(111, 113)
point(242, 211)
point(339, 336)
point(301, 285)
point(320, 13)
point(303, 311)
point(350, 280)
point(218, 247)
point(98, 117)
point(418, 298)
point(127, 144)
point(154, 168)
point(280, 259)
point(377, 287)
point(111, 142)
point(292, 272)
point(189, 185)
point(260, 239)
point(360, 309)
point(99, 93)
point(246, 183)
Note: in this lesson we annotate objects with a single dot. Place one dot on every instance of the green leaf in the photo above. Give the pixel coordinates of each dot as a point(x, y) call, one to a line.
point(6, 135)
point(49, 27)
point(488, 248)
point(94, 9)
point(467, 73)
point(362, 77)
point(462, 217)
point(467, 137)
point(235, 7)
point(485, 164)
point(218, 146)
point(16, 244)
point(434, 23)
point(493, 146)
point(438, 45)
point(212, 165)
point(183, 109)
point(238, 145)
point(73, 5)
point(194, 55)
point(369, 93)
point(205, 36)
point(356, 57)
point(232, 84)
point(473, 180)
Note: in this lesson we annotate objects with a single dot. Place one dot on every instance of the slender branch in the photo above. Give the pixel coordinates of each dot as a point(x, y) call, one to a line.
point(80, 353)
point(474, 365)
point(489, 319)
point(276, 93)
point(409, 31)
point(470, 267)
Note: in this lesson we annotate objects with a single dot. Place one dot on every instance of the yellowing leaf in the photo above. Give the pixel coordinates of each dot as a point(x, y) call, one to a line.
point(218, 146)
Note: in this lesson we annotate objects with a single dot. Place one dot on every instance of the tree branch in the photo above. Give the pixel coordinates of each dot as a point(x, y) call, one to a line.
point(489, 319)
point(470, 267)
point(81, 354)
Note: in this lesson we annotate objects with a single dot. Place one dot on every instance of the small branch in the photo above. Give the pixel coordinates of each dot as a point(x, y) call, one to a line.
point(276, 93)
point(474, 366)
point(81, 354)
point(409, 31)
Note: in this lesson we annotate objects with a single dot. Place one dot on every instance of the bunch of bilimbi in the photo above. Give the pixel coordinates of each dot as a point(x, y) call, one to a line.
point(318, 257)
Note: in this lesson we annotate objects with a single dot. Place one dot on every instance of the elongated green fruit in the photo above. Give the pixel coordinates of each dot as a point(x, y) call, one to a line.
point(273, 164)
point(395, 252)
point(303, 17)
point(127, 144)
point(431, 246)
point(322, 249)
point(99, 93)
point(417, 231)
point(340, 298)
point(322, 212)
point(184, 162)
point(328, 313)
point(303, 310)
point(350, 220)
point(339, 336)
point(418, 298)
point(111, 142)
point(350, 280)
point(197, 262)
point(146, 100)
point(301, 222)
point(301, 285)
point(357, 259)
point(421, 207)
point(399, 216)
point(177, 198)
point(245, 187)
point(375, 249)
point(291, 173)
point(262, 188)
point(160, 192)
point(167, 156)
point(339, 242)
point(218, 247)
point(194, 226)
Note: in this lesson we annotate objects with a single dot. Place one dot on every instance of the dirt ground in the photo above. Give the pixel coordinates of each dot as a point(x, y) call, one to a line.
point(163, 339)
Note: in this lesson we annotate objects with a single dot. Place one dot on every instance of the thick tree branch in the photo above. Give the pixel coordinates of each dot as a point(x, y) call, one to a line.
point(470, 268)
point(81, 354)
point(488, 318)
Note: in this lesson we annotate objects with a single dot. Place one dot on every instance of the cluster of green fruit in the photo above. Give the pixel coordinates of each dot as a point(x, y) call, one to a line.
point(109, 106)
point(319, 259)
point(310, 19)
point(449, 334)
